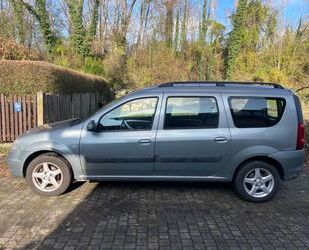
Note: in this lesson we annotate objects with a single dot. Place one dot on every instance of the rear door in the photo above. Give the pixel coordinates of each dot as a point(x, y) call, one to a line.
point(193, 137)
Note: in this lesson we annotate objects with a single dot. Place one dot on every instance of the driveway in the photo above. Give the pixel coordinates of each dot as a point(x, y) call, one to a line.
point(139, 215)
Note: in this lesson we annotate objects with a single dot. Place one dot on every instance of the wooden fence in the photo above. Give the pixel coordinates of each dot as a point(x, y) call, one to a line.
point(63, 107)
point(12, 122)
point(21, 113)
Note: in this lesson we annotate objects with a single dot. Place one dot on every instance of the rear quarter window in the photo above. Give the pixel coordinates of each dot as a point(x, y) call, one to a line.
point(256, 112)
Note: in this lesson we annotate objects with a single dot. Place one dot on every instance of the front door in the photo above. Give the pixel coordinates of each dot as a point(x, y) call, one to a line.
point(124, 142)
point(193, 137)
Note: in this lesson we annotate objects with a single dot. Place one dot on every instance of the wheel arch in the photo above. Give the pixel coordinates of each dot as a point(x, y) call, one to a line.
point(266, 159)
point(42, 152)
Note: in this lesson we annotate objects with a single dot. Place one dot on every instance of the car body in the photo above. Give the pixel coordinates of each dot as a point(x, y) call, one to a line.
point(176, 132)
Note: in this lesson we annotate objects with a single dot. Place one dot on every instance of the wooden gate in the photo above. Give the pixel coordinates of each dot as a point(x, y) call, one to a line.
point(17, 115)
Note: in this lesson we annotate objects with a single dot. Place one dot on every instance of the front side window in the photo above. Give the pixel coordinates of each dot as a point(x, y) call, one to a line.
point(191, 113)
point(134, 115)
point(255, 112)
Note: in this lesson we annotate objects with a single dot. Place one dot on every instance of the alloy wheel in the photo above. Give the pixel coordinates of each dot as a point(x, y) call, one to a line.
point(47, 177)
point(258, 182)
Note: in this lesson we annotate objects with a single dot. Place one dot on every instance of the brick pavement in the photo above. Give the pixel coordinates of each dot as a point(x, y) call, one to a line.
point(140, 215)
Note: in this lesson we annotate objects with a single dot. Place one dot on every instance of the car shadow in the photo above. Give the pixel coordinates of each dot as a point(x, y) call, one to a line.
point(123, 210)
point(74, 186)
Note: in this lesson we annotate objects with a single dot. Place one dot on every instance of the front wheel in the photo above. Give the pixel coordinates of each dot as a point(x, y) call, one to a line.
point(49, 175)
point(257, 181)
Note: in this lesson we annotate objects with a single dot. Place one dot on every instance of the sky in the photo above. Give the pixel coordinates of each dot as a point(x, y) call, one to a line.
point(292, 10)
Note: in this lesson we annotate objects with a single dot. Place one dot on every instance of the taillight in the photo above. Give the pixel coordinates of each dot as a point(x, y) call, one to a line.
point(300, 136)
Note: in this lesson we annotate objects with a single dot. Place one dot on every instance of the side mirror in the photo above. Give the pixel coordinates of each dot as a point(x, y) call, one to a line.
point(92, 126)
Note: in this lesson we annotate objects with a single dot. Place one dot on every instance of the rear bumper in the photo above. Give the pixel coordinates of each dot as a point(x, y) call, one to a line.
point(291, 161)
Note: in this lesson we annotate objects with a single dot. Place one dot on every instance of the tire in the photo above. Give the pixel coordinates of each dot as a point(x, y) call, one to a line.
point(51, 171)
point(257, 181)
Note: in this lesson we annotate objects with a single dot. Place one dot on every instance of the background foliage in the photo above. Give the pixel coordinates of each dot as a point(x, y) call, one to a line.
point(135, 43)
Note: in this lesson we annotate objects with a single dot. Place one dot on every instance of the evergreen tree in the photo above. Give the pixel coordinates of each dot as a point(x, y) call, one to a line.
point(236, 37)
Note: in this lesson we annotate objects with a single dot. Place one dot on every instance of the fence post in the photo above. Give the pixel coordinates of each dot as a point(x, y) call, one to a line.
point(40, 108)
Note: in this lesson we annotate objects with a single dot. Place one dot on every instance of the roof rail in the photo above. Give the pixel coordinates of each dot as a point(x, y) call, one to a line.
point(218, 84)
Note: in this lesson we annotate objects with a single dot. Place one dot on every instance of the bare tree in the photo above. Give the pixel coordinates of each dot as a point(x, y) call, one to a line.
point(39, 11)
point(144, 14)
point(123, 13)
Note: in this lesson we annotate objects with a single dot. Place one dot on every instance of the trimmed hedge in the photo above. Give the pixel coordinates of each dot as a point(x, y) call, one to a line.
point(30, 77)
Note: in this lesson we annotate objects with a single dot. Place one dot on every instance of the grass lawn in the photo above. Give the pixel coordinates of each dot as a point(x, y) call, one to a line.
point(4, 148)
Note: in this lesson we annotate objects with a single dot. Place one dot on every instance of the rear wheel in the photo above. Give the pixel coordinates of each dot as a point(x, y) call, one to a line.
point(49, 175)
point(257, 181)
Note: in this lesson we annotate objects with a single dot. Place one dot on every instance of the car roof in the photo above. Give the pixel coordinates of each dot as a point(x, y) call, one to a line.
point(216, 87)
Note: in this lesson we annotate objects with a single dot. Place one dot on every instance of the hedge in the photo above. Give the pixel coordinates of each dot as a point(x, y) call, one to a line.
point(30, 77)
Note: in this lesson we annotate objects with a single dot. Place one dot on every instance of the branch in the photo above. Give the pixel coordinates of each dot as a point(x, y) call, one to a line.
point(94, 20)
point(131, 8)
point(302, 88)
point(30, 9)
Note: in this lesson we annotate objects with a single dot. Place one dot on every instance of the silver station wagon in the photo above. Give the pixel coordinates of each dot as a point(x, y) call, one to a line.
point(251, 134)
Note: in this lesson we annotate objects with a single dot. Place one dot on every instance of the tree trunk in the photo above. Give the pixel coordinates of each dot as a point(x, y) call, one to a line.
point(176, 42)
point(144, 13)
point(92, 30)
point(78, 33)
point(123, 26)
point(19, 19)
point(41, 15)
point(184, 27)
point(169, 5)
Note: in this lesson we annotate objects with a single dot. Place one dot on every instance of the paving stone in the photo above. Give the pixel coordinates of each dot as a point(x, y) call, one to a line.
point(141, 215)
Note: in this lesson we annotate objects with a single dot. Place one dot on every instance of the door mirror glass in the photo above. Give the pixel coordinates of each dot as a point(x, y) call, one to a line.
point(92, 126)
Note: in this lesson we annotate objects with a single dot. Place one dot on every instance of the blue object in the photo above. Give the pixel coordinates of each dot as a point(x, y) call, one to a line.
point(17, 106)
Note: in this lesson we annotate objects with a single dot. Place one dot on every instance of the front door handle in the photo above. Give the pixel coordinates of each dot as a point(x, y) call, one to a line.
point(144, 141)
point(221, 139)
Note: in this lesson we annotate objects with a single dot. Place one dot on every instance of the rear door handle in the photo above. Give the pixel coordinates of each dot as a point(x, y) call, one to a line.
point(221, 139)
point(144, 141)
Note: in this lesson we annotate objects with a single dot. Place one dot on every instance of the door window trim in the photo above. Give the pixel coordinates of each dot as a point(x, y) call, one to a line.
point(189, 96)
point(134, 99)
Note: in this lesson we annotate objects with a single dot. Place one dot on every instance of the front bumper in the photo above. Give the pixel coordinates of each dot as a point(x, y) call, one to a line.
point(291, 161)
point(16, 159)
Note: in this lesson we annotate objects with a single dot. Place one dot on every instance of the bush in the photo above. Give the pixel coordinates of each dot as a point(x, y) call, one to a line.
point(93, 66)
point(10, 50)
point(4, 149)
point(115, 68)
point(30, 77)
point(156, 65)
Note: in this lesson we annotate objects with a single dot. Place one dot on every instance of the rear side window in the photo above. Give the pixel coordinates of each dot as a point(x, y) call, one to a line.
point(191, 113)
point(256, 112)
